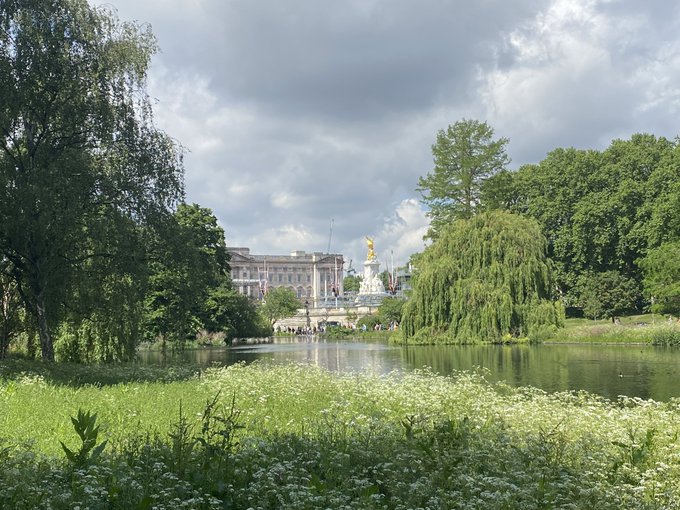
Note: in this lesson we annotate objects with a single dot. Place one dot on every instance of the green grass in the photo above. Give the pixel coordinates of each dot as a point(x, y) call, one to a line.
point(636, 329)
point(297, 437)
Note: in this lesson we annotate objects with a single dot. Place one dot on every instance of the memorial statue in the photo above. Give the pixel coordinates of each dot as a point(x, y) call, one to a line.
point(371, 288)
point(371, 253)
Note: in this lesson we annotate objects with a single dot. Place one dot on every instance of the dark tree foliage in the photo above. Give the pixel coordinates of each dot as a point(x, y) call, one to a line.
point(607, 295)
point(234, 314)
point(82, 166)
point(483, 279)
point(600, 211)
point(189, 269)
point(661, 269)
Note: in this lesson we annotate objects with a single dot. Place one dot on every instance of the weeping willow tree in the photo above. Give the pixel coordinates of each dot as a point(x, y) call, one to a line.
point(485, 279)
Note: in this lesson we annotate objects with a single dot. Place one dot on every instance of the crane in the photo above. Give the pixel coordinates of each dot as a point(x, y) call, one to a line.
point(330, 236)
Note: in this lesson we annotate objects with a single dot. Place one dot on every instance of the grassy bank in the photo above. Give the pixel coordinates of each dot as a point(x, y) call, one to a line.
point(298, 437)
point(635, 329)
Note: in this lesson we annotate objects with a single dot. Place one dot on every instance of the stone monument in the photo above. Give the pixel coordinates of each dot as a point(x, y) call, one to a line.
point(371, 290)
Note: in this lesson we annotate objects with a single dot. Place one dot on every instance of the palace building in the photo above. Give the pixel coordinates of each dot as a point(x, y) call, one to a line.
point(314, 277)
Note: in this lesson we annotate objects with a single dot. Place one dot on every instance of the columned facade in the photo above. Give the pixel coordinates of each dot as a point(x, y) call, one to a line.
point(314, 277)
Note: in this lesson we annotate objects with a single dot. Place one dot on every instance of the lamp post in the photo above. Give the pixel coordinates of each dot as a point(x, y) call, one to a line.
point(307, 313)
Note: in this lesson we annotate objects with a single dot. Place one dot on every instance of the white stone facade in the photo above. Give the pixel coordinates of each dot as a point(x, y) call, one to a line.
point(314, 277)
point(371, 284)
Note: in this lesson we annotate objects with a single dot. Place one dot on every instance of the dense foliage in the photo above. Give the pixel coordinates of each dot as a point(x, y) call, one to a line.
point(390, 310)
point(483, 279)
point(601, 211)
point(607, 294)
point(351, 283)
point(299, 437)
point(465, 155)
point(661, 270)
point(81, 164)
point(97, 250)
point(279, 303)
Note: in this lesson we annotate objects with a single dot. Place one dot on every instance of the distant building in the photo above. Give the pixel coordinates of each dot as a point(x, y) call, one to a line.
point(314, 277)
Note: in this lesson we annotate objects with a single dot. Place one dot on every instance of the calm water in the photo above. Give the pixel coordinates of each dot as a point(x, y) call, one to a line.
point(608, 370)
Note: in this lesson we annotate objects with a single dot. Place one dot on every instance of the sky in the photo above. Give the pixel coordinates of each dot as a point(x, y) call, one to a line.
point(307, 123)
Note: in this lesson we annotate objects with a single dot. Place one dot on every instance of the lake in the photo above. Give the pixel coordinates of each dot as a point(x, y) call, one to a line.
point(608, 370)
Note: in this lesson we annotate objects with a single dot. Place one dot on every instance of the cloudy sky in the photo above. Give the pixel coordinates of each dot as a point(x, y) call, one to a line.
point(302, 113)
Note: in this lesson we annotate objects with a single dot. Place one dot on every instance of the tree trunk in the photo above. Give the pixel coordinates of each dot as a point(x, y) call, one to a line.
point(4, 342)
point(46, 347)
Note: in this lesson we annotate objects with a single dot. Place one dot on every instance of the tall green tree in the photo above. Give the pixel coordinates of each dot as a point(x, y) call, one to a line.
point(390, 310)
point(482, 279)
point(465, 155)
point(78, 148)
point(279, 303)
point(236, 315)
point(661, 268)
point(190, 261)
point(608, 294)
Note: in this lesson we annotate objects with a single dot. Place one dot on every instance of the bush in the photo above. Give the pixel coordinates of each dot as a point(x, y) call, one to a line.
point(338, 332)
point(370, 321)
point(668, 336)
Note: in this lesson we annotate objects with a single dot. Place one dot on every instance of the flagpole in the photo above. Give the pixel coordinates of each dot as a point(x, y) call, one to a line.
point(392, 287)
point(335, 277)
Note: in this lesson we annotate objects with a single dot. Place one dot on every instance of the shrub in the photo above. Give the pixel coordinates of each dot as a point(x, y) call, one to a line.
point(666, 336)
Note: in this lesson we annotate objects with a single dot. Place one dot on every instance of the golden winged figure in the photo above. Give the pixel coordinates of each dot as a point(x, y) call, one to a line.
point(371, 253)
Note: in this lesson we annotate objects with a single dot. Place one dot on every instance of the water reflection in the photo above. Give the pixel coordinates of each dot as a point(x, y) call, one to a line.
point(608, 370)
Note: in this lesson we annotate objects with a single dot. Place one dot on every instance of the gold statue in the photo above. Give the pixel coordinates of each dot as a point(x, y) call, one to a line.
point(371, 253)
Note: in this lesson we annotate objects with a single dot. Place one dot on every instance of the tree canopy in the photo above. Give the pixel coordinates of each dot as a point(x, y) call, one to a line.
point(483, 278)
point(81, 163)
point(390, 310)
point(661, 269)
point(608, 294)
point(601, 211)
point(465, 155)
point(351, 283)
point(279, 303)
point(97, 249)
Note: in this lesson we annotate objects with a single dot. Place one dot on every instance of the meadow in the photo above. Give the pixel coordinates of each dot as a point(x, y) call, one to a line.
point(295, 436)
point(634, 329)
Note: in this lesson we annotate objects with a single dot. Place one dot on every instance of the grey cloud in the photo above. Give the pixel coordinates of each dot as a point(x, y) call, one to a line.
point(341, 100)
point(336, 61)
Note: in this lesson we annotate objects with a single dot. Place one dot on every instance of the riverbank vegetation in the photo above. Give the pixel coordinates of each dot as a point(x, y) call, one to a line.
point(654, 329)
point(292, 436)
point(611, 220)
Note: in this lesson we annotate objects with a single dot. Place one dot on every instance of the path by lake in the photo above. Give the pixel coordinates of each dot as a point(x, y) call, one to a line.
point(607, 370)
